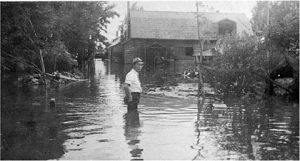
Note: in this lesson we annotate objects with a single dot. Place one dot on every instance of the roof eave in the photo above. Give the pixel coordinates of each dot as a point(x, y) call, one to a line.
point(213, 38)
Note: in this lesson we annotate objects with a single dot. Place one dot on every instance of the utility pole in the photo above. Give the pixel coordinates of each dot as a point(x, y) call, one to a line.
point(199, 61)
point(128, 19)
point(270, 85)
point(200, 84)
point(267, 37)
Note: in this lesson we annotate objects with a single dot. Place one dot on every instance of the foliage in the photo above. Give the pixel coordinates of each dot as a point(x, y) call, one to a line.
point(18, 28)
point(135, 7)
point(246, 62)
point(61, 30)
point(282, 29)
point(242, 67)
point(57, 57)
point(86, 21)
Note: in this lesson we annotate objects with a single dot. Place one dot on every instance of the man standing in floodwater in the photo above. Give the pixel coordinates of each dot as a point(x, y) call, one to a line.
point(132, 85)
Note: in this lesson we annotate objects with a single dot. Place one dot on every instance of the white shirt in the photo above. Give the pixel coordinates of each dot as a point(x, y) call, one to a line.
point(132, 78)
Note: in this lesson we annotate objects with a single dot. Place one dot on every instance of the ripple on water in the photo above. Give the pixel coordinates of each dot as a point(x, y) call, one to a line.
point(92, 123)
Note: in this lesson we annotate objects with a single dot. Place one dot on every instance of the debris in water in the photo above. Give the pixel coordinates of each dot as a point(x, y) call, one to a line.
point(222, 105)
point(52, 102)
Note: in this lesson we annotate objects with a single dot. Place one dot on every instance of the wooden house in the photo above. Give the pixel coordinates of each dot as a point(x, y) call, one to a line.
point(173, 35)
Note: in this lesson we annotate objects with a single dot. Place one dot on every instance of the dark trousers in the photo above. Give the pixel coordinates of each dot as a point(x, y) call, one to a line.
point(135, 101)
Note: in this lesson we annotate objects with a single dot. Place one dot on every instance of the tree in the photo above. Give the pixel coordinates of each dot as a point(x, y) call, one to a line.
point(26, 31)
point(32, 31)
point(279, 22)
point(135, 7)
point(241, 68)
point(86, 21)
point(246, 67)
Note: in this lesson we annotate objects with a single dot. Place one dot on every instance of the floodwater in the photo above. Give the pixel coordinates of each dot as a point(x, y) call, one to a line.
point(90, 121)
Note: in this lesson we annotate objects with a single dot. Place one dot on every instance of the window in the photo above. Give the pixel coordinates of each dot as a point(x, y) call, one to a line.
point(227, 27)
point(207, 58)
point(189, 51)
point(212, 41)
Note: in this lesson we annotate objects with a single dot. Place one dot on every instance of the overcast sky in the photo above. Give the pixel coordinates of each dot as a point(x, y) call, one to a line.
point(241, 6)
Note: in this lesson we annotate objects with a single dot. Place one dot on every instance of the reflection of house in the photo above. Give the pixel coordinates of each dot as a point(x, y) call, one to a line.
point(173, 35)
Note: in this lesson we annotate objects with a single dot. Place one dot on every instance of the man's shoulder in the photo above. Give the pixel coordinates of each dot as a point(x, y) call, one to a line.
point(130, 73)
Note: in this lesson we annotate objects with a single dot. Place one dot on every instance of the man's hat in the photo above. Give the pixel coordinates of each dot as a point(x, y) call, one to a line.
point(137, 59)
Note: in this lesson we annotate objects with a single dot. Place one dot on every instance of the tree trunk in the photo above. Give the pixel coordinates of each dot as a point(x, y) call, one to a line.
point(42, 66)
point(40, 53)
point(54, 65)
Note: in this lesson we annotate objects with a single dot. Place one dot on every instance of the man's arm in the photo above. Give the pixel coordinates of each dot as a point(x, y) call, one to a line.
point(128, 92)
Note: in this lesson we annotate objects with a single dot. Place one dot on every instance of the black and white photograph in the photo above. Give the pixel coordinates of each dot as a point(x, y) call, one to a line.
point(150, 80)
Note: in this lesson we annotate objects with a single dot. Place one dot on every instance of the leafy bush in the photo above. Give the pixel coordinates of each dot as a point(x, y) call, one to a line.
point(247, 62)
point(242, 66)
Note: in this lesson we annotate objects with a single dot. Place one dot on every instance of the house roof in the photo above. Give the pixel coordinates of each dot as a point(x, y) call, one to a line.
point(180, 25)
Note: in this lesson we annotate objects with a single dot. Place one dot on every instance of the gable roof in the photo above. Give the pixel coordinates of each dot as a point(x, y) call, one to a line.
point(180, 25)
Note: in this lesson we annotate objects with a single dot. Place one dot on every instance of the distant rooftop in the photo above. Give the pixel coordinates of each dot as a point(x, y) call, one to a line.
point(180, 25)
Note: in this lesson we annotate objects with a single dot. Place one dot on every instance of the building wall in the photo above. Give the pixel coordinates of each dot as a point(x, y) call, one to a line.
point(137, 47)
point(130, 51)
point(116, 53)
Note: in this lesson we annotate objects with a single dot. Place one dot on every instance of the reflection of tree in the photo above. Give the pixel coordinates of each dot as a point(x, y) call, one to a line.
point(30, 131)
point(198, 131)
point(259, 132)
point(277, 130)
point(250, 129)
point(237, 136)
point(132, 125)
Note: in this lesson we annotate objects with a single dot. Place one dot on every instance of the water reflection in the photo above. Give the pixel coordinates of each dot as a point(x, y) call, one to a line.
point(132, 133)
point(258, 130)
point(92, 122)
point(197, 145)
point(28, 129)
